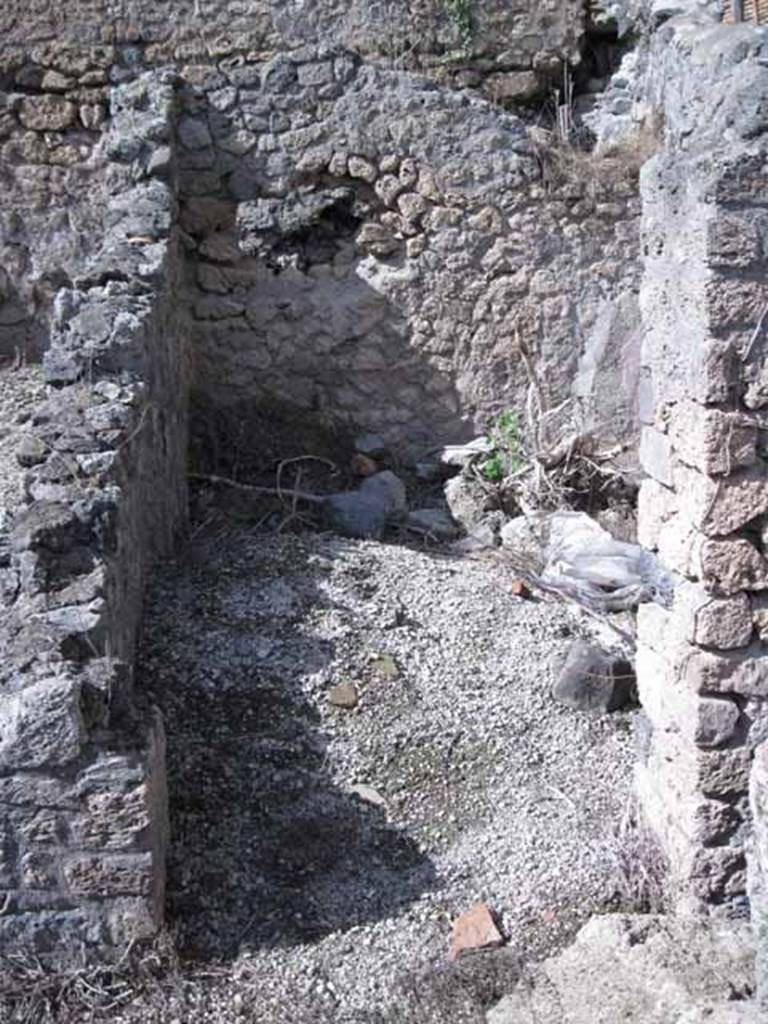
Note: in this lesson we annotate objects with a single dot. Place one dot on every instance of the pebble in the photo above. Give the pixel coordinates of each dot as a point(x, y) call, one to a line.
point(344, 695)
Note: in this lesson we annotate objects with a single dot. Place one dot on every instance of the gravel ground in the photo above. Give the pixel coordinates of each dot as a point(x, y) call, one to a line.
point(20, 390)
point(319, 853)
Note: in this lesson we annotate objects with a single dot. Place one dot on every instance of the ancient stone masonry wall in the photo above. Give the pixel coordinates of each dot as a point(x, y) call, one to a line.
point(82, 783)
point(296, 218)
point(418, 258)
point(702, 663)
point(364, 243)
point(52, 108)
point(510, 48)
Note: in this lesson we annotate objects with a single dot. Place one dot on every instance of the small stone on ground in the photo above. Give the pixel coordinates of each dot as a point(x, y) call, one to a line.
point(473, 930)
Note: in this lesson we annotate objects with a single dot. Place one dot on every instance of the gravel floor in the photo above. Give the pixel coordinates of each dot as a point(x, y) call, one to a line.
point(20, 390)
point(321, 852)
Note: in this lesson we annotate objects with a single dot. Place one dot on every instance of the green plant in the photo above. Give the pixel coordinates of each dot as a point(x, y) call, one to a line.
point(460, 13)
point(505, 456)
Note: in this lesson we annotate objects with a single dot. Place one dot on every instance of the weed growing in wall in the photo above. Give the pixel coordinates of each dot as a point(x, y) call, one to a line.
point(460, 13)
point(506, 450)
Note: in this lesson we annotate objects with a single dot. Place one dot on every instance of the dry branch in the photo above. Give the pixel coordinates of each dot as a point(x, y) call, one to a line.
point(274, 492)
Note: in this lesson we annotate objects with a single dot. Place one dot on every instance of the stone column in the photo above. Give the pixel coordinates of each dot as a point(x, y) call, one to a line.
point(703, 661)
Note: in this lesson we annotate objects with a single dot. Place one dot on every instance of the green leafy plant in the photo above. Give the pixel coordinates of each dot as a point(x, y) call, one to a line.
point(493, 468)
point(506, 454)
point(460, 13)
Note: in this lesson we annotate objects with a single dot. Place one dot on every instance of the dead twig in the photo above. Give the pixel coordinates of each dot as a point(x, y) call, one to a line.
point(294, 514)
point(223, 481)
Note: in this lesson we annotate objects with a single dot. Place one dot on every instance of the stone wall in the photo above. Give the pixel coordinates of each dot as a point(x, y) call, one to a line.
point(702, 665)
point(52, 108)
point(404, 272)
point(505, 38)
point(364, 244)
point(82, 774)
point(337, 234)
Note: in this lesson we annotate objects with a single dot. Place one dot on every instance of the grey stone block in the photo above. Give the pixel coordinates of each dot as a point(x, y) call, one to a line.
point(388, 490)
point(592, 680)
point(42, 725)
point(468, 500)
point(353, 514)
point(435, 522)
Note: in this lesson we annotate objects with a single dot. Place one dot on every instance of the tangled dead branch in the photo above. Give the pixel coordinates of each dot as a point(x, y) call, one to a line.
point(35, 992)
point(289, 496)
point(557, 463)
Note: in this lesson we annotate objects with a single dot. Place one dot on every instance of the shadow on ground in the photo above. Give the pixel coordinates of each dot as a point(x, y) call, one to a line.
point(266, 849)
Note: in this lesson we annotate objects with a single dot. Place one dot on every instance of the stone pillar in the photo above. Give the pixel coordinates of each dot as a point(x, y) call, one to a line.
point(703, 662)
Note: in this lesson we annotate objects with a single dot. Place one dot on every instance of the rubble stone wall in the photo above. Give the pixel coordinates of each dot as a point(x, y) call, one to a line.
point(505, 37)
point(51, 194)
point(292, 214)
point(364, 244)
point(702, 663)
point(82, 769)
point(354, 232)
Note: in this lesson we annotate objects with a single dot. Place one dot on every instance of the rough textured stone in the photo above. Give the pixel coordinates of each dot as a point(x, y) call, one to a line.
point(116, 874)
point(474, 930)
point(388, 490)
point(519, 536)
point(744, 672)
point(47, 113)
point(344, 695)
point(512, 85)
point(724, 623)
point(42, 726)
point(355, 515)
point(710, 440)
point(720, 506)
point(433, 522)
point(589, 679)
point(642, 970)
point(97, 513)
point(468, 500)
point(728, 566)
point(706, 721)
